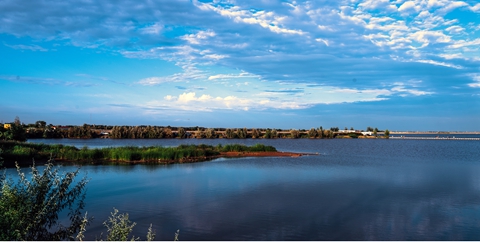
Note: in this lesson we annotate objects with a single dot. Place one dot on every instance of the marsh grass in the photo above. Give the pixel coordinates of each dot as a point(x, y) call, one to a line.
point(240, 148)
point(17, 151)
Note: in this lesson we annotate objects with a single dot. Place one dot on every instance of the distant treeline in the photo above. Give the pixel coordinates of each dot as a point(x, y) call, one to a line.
point(21, 132)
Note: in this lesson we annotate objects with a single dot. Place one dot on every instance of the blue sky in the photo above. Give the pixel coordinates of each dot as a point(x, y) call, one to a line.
point(398, 65)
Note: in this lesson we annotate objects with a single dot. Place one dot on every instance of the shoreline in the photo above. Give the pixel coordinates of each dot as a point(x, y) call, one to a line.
point(228, 155)
point(26, 154)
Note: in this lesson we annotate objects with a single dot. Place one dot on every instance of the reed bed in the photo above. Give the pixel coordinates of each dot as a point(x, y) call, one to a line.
point(17, 151)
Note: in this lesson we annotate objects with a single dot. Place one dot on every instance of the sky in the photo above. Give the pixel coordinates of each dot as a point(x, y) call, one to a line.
point(397, 65)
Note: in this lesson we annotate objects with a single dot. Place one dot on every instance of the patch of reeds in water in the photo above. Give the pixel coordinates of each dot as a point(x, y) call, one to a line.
point(16, 151)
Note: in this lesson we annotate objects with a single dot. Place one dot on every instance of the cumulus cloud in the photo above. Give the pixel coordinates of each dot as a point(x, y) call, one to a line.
point(408, 7)
point(327, 43)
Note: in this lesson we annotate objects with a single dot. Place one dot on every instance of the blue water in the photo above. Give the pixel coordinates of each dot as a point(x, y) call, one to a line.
point(353, 190)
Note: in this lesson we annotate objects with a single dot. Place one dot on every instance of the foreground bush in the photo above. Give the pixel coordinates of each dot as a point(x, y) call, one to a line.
point(29, 209)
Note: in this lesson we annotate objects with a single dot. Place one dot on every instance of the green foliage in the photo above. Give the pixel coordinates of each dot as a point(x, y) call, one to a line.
point(241, 148)
point(182, 134)
point(27, 151)
point(176, 235)
point(1, 158)
point(119, 227)
point(16, 132)
point(210, 134)
point(29, 209)
point(255, 133)
point(312, 133)
point(387, 134)
point(295, 134)
point(229, 134)
point(353, 135)
point(150, 234)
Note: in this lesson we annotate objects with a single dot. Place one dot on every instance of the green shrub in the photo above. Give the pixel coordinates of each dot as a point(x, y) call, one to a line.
point(29, 209)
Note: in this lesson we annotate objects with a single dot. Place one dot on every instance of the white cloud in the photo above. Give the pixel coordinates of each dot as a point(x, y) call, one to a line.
point(453, 5)
point(322, 41)
point(408, 7)
point(378, 5)
point(198, 37)
point(265, 19)
point(319, 42)
point(402, 89)
point(427, 37)
point(475, 8)
point(476, 83)
point(189, 75)
point(231, 76)
point(455, 29)
point(436, 3)
point(465, 43)
point(26, 47)
point(154, 29)
point(439, 63)
point(190, 101)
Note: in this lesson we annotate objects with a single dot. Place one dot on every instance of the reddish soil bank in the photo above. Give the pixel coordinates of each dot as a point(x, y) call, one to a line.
point(261, 154)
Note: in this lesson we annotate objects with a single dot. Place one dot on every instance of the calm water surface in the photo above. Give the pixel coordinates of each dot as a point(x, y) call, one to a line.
point(354, 190)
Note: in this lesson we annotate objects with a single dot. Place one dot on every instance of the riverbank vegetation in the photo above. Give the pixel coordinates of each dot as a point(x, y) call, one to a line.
point(37, 208)
point(20, 132)
point(23, 153)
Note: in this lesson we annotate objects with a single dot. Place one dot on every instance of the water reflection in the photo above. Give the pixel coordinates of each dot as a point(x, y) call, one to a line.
point(357, 190)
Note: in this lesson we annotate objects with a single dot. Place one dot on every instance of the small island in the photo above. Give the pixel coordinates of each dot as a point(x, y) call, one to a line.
point(24, 153)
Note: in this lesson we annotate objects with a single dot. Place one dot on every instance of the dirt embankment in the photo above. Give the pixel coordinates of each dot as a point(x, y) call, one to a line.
point(262, 154)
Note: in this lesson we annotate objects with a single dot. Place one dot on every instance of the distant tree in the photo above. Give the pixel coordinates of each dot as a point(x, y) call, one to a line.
point(16, 132)
point(230, 134)
point(268, 134)
point(351, 128)
point(40, 124)
point(295, 134)
point(369, 129)
point(17, 121)
point(255, 134)
point(210, 134)
point(274, 134)
point(200, 134)
point(168, 133)
point(320, 132)
point(312, 133)
point(387, 134)
point(241, 133)
point(375, 132)
point(181, 133)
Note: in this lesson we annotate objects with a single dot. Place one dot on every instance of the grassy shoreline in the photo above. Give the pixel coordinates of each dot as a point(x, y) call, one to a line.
point(25, 153)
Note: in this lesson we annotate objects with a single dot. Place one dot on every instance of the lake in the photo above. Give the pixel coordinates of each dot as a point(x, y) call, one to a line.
point(356, 189)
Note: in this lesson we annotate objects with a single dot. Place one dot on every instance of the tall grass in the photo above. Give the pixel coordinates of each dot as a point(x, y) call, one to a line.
point(240, 148)
point(13, 151)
